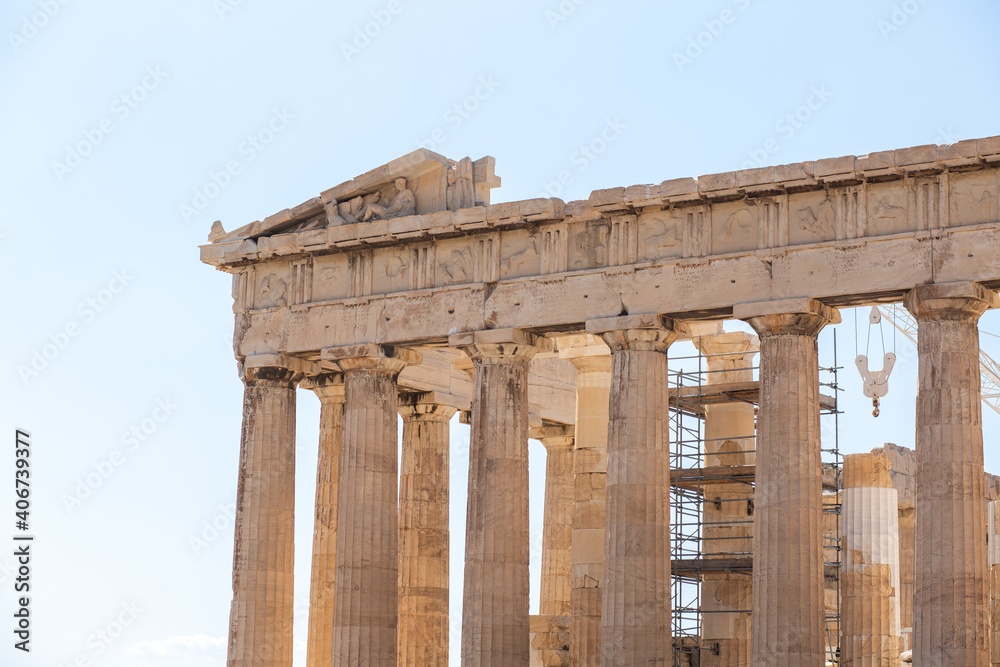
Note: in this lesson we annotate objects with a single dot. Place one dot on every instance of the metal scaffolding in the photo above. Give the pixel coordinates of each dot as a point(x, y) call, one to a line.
point(692, 536)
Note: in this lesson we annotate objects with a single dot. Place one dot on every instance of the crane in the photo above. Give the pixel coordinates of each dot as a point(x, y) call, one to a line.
point(904, 322)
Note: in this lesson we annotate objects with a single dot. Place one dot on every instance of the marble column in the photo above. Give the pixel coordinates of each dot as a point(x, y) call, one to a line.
point(869, 579)
point(330, 390)
point(557, 523)
point(592, 360)
point(495, 627)
point(424, 531)
point(993, 559)
point(907, 518)
point(951, 596)
point(729, 441)
point(366, 601)
point(788, 595)
point(260, 621)
point(635, 624)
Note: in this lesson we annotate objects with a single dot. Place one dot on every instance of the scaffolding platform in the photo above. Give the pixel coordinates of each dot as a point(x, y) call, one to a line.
point(693, 399)
point(695, 478)
point(696, 567)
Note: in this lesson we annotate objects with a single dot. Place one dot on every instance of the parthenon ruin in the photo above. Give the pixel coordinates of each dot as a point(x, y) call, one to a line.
point(405, 292)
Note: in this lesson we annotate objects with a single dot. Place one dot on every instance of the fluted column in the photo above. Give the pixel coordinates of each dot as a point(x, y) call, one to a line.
point(260, 620)
point(906, 516)
point(330, 390)
point(365, 604)
point(869, 581)
point(951, 596)
point(788, 625)
point(592, 360)
point(557, 524)
point(495, 629)
point(729, 441)
point(635, 624)
point(424, 531)
point(993, 559)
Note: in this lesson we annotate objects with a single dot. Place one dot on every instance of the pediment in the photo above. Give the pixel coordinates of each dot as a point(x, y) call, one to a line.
point(418, 183)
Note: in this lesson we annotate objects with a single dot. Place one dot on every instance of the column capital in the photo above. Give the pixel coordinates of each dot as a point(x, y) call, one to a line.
point(586, 352)
point(950, 301)
point(370, 357)
point(638, 332)
point(735, 344)
point(500, 345)
point(328, 386)
point(554, 438)
point(276, 369)
point(796, 317)
point(427, 406)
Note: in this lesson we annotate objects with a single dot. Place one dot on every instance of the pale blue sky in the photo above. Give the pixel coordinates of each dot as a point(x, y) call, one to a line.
point(200, 77)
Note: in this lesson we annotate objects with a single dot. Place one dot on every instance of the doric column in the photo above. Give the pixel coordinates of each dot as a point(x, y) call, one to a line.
point(423, 531)
point(592, 360)
point(635, 625)
point(729, 441)
point(907, 519)
point(788, 626)
point(495, 628)
point(951, 596)
point(557, 524)
point(993, 559)
point(869, 580)
point(260, 621)
point(365, 604)
point(330, 390)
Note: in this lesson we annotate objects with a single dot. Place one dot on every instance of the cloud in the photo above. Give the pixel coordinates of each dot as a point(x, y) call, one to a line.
point(184, 646)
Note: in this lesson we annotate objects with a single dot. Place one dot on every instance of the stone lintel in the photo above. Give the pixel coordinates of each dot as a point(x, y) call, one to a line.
point(702, 329)
point(578, 346)
point(732, 343)
point(950, 301)
point(549, 432)
point(640, 321)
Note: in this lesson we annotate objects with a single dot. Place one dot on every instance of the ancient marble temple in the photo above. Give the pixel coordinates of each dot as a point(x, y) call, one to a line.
point(406, 293)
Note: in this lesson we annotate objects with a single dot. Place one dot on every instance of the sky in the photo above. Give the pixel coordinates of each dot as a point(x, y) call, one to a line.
point(127, 128)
